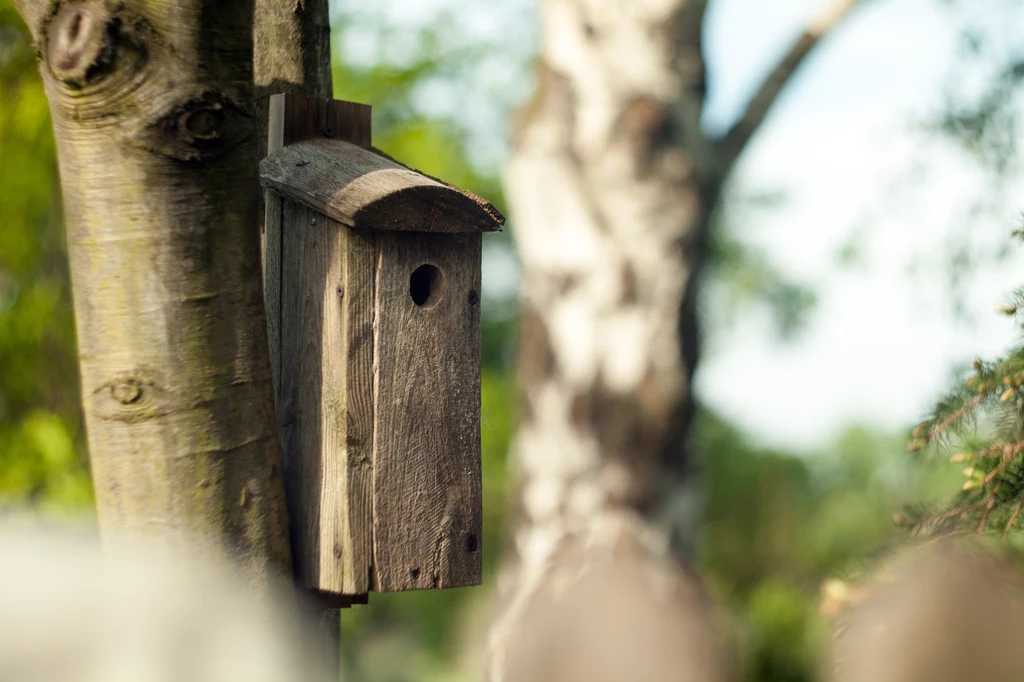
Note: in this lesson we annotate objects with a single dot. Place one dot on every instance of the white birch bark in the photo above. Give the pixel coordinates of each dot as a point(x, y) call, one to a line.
point(611, 186)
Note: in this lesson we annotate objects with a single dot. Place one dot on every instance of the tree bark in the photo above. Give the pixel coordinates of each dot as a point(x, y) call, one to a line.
point(152, 106)
point(612, 184)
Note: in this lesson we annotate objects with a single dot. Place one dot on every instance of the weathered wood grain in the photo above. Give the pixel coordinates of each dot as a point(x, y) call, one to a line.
point(325, 354)
point(365, 190)
point(378, 393)
point(324, 398)
point(293, 117)
point(292, 54)
point(356, 350)
point(426, 457)
point(296, 117)
point(273, 208)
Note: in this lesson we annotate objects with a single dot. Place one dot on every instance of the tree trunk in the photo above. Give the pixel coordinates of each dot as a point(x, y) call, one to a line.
point(612, 184)
point(152, 106)
point(610, 216)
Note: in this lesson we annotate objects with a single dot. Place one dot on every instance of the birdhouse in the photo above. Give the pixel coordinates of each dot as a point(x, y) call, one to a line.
point(372, 284)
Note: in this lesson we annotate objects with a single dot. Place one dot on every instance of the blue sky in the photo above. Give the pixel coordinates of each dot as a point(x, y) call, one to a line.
point(881, 346)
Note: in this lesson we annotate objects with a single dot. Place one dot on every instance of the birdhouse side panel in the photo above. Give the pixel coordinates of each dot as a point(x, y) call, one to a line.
point(325, 348)
point(427, 505)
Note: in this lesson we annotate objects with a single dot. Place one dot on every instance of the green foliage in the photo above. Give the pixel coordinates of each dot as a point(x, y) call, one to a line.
point(982, 424)
point(978, 119)
point(743, 277)
point(779, 525)
point(984, 122)
point(42, 460)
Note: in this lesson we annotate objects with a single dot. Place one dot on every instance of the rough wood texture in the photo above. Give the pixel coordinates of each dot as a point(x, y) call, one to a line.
point(326, 470)
point(426, 454)
point(325, 354)
point(297, 117)
point(273, 215)
point(292, 118)
point(365, 190)
point(152, 105)
point(292, 53)
point(379, 358)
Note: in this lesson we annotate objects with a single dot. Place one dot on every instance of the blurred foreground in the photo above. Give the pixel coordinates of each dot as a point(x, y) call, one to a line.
point(68, 614)
point(942, 612)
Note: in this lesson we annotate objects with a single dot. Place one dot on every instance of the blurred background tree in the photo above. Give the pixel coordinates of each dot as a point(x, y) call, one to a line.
point(42, 461)
point(778, 522)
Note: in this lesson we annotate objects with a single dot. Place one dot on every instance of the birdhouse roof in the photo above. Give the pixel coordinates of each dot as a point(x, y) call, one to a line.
point(366, 189)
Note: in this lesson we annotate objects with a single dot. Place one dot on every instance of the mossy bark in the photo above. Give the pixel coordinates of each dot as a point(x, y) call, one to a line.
point(152, 105)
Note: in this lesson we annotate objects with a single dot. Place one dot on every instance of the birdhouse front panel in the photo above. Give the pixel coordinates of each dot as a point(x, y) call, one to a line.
point(426, 465)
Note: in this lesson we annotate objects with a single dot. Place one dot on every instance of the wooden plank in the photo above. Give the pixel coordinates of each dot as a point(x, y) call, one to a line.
point(301, 117)
point(272, 283)
point(367, 191)
point(355, 351)
point(426, 459)
point(271, 247)
point(326, 300)
point(299, 343)
point(321, 300)
point(275, 123)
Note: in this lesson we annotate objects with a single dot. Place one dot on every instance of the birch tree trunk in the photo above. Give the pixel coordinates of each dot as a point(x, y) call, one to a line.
point(152, 104)
point(612, 184)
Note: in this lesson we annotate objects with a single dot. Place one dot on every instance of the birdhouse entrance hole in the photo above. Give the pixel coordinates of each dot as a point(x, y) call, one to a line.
point(426, 286)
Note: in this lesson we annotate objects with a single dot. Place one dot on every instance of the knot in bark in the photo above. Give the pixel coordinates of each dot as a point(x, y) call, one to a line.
point(131, 397)
point(127, 392)
point(78, 42)
point(84, 43)
point(199, 127)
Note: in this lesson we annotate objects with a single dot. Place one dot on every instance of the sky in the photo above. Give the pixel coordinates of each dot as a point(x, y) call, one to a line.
point(880, 349)
point(881, 345)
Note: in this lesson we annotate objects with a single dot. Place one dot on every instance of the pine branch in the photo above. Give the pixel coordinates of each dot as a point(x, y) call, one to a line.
point(1013, 518)
point(988, 510)
point(956, 416)
point(936, 519)
point(994, 492)
point(940, 538)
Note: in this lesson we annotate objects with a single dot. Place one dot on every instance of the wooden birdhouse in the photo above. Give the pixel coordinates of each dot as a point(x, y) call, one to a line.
point(372, 283)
